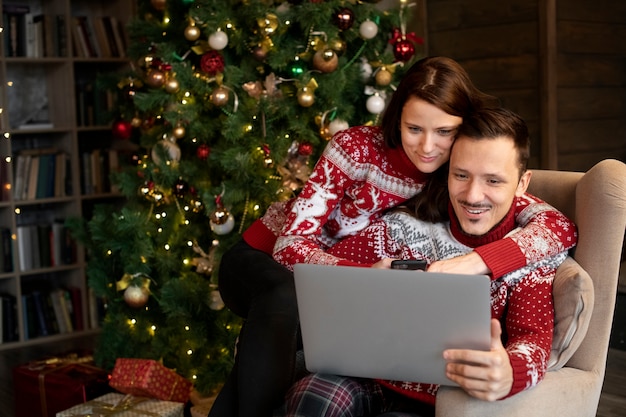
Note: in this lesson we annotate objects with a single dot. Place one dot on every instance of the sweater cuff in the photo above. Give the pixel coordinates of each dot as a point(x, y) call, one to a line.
point(520, 375)
point(501, 257)
point(260, 237)
point(345, 262)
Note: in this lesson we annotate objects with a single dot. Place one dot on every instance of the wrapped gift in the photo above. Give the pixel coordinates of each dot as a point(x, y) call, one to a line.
point(200, 410)
point(148, 378)
point(120, 405)
point(44, 387)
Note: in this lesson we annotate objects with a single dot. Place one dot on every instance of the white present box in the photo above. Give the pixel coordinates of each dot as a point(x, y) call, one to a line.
point(121, 405)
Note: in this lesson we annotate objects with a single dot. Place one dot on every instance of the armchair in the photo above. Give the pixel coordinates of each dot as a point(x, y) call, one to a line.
point(596, 200)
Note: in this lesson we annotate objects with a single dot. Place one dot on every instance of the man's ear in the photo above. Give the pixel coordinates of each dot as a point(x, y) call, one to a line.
point(523, 183)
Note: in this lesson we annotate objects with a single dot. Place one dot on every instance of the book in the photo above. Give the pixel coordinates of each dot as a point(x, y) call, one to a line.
point(44, 236)
point(24, 247)
point(29, 317)
point(40, 308)
point(6, 250)
point(33, 176)
point(61, 310)
point(101, 36)
point(77, 308)
point(60, 174)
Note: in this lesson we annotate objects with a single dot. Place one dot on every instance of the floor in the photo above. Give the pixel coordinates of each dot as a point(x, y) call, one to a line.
point(612, 401)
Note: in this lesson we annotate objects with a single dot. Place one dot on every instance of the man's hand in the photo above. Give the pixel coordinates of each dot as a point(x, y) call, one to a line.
point(384, 263)
point(483, 375)
point(470, 263)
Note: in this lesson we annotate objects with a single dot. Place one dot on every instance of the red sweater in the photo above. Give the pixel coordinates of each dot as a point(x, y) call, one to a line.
point(521, 300)
point(356, 179)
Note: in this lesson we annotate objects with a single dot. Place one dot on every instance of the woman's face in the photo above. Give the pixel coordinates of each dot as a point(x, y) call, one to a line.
point(427, 133)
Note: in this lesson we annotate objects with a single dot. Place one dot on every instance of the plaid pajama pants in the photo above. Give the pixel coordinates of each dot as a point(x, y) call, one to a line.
point(318, 395)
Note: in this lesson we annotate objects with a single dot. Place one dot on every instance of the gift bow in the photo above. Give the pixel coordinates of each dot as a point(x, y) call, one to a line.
point(126, 403)
point(411, 36)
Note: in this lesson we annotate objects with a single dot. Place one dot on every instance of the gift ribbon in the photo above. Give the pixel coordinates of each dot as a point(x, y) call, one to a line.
point(127, 403)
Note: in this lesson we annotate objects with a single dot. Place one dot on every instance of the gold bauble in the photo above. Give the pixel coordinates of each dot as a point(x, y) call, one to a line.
point(179, 132)
point(305, 97)
point(192, 33)
point(383, 77)
point(325, 60)
point(220, 96)
point(269, 24)
point(172, 85)
point(155, 78)
point(136, 122)
point(325, 133)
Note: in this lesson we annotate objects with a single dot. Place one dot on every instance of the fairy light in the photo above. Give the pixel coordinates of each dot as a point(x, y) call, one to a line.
point(189, 352)
point(187, 328)
point(167, 246)
point(189, 243)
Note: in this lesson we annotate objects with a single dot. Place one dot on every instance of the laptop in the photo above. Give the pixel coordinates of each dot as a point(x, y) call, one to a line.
point(389, 324)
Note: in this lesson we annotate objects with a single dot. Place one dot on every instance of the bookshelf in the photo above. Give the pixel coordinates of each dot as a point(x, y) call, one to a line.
point(55, 129)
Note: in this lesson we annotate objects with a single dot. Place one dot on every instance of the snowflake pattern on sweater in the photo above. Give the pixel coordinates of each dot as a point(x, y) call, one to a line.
point(521, 300)
point(367, 178)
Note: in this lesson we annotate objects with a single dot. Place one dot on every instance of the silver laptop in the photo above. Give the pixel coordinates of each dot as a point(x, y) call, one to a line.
point(389, 324)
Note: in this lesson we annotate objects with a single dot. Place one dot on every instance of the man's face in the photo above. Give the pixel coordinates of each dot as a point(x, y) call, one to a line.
point(483, 181)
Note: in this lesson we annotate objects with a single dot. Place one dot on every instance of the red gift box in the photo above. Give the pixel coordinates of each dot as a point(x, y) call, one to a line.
point(148, 378)
point(45, 387)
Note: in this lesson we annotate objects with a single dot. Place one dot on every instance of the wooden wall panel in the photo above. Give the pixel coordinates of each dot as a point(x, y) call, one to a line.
point(561, 64)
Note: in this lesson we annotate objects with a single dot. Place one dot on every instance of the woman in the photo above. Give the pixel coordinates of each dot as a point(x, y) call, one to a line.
point(363, 172)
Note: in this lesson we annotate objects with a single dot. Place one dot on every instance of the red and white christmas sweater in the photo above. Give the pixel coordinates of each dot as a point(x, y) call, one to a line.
point(356, 179)
point(521, 300)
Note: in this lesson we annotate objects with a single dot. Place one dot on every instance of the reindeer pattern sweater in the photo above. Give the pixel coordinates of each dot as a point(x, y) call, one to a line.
point(356, 179)
point(521, 300)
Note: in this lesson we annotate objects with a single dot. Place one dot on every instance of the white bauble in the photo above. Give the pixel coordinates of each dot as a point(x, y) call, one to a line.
point(224, 225)
point(337, 125)
point(218, 40)
point(368, 29)
point(375, 104)
point(172, 151)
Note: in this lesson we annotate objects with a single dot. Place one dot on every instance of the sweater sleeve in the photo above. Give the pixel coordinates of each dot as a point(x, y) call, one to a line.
point(529, 326)
point(545, 232)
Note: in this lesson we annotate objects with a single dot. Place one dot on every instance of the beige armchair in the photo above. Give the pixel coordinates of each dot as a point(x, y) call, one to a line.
point(596, 200)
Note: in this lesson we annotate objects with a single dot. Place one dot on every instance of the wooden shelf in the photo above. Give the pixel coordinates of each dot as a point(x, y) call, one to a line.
point(51, 81)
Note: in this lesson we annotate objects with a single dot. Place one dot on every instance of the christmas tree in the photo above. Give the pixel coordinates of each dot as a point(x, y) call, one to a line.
point(228, 104)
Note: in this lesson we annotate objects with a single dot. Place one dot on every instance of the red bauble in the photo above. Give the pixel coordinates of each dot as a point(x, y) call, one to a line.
point(203, 152)
point(344, 18)
point(212, 63)
point(122, 129)
point(403, 50)
point(305, 149)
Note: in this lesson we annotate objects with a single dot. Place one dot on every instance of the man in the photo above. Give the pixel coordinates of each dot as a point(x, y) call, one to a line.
point(487, 182)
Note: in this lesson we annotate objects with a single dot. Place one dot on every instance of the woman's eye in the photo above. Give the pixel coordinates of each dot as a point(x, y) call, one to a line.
point(446, 132)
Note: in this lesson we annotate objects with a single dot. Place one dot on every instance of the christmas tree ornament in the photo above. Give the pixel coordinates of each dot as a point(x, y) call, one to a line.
point(338, 45)
point(192, 32)
point(305, 149)
point(220, 96)
point(375, 104)
point(325, 60)
point(180, 188)
point(259, 52)
point(344, 18)
point(268, 24)
point(122, 129)
point(166, 147)
point(383, 77)
point(221, 221)
point(203, 152)
point(368, 30)
point(325, 132)
point(215, 300)
point(306, 98)
point(218, 40)
point(268, 162)
point(337, 125)
point(403, 50)
point(136, 122)
point(136, 296)
point(212, 63)
point(172, 85)
point(136, 289)
point(158, 4)
point(179, 131)
point(155, 78)
point(297, 68)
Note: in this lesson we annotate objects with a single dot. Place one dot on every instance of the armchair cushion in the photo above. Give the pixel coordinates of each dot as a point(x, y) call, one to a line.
point(573, 304)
